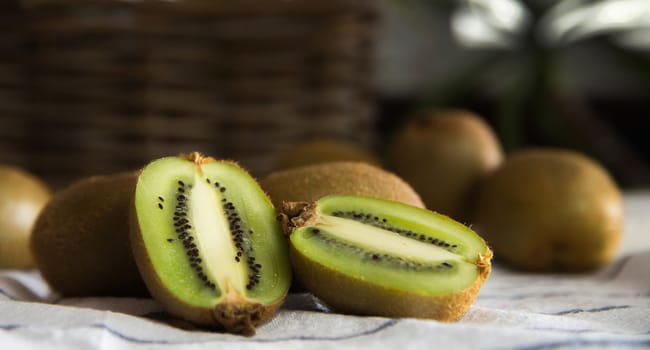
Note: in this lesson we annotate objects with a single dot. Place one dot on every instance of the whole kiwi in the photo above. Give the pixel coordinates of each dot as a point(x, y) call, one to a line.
point(22, 196)
point(551, 210)
point(323, 151)
point(443, 154)
point(81, 238)
point(312, 182)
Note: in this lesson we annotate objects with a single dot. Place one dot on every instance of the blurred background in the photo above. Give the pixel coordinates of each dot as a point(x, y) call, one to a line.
point(562, 73)
point(100, 86)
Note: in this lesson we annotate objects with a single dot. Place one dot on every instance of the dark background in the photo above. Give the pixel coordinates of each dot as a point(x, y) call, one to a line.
point(590, 94)
point(365, 72)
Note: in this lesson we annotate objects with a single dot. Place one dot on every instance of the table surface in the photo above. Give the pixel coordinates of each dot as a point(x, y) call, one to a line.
point(608, 308)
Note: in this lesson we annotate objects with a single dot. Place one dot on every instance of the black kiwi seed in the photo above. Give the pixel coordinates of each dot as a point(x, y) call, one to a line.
point(160, 205)
point(181, 222)
point(445, 265)
point(383, 259)
point(240, 233)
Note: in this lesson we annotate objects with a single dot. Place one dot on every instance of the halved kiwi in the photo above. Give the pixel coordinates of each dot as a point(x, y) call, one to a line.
point(207, 243)
point(371, 256)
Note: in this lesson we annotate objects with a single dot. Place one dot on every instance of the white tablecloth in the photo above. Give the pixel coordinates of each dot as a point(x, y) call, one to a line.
point(608, 308)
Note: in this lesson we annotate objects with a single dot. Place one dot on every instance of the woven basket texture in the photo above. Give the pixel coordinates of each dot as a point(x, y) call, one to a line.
point(99, 86)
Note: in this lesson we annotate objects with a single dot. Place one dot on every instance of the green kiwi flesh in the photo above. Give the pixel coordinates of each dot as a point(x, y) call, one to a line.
point(207, 243)
point(365, 255)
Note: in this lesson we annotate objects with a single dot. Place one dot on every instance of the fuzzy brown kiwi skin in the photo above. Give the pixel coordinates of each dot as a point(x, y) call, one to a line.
point(444, 154)
point(310, 183)
point(24, 193)
point(347, 294)
point(551, 210)
point(80, 239)
point(235, 314)
point(323, 151)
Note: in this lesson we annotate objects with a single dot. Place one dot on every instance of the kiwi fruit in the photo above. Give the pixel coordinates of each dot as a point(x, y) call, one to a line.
point(311, 182)
point(370, 256)
point(323, 151)
point(80, 240)
point(207, 243)
point(444, 154)
point(22, 197)
point(551, 210)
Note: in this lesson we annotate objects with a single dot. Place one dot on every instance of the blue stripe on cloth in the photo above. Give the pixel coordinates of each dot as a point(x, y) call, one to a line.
point(10, 297)
point(594, 310)
point(134, 339)
point(611, 343)
point(549, 295)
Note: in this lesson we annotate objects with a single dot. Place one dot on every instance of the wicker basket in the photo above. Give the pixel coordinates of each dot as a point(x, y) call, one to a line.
point(13, 82)
point(113, 84)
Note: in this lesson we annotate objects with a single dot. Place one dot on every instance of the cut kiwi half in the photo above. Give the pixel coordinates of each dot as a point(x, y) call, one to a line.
point(372, 256)
point(208, 244)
